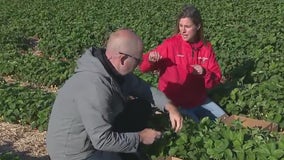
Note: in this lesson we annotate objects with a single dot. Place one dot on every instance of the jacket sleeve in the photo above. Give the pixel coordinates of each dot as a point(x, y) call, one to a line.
point(96, 112)
point(146, 66)
point(137, 87)
point(213, 73)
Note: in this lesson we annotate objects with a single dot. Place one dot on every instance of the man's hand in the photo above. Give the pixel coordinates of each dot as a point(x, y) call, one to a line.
point(175, 117)
point(148, 136)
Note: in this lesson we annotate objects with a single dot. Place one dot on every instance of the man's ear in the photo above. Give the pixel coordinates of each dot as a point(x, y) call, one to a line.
point(122, 60)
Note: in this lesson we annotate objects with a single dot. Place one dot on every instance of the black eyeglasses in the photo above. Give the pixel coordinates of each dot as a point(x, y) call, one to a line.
point(138, 60)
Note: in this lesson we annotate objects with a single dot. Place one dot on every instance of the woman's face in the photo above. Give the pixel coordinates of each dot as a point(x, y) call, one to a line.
point(187, 29)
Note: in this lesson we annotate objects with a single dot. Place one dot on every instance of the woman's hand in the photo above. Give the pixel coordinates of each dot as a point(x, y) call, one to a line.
point(198, 69)
point(154, 57)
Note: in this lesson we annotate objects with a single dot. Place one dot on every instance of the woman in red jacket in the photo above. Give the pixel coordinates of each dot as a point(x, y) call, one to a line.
point(187, 67)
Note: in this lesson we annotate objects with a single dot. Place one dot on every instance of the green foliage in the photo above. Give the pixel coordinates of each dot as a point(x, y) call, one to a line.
point(213, 140)
point(256, 101)
point(8, 156)
point(25, 105)
point(41, 71)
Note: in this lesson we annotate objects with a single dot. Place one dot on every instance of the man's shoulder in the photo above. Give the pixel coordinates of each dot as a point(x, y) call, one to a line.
point(87, 81)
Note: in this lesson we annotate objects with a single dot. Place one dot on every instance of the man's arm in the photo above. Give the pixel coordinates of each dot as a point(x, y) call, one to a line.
point(139, 88)
point(96, 112)
point(175, 117)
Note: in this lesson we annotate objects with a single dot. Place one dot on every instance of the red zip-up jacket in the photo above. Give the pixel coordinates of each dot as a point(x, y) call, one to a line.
point(175, 72)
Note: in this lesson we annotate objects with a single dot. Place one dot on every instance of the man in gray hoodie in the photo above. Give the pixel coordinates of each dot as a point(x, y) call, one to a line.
point(84, 117)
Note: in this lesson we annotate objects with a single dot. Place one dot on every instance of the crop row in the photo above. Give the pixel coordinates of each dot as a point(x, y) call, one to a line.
point(25, 105)
point(34, 69)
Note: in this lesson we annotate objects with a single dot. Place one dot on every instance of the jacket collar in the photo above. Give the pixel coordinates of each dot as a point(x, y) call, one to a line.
point(100, 54)
point(194, 45)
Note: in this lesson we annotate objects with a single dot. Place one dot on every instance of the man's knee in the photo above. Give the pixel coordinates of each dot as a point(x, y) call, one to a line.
point(134, 117)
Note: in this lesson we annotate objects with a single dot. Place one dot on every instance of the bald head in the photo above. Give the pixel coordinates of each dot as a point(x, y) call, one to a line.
point(125, 41)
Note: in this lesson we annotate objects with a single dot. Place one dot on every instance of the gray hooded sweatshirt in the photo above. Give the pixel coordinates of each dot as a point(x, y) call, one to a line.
point(85, 107)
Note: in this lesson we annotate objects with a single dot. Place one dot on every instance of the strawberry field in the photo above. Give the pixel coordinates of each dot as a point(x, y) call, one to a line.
point(40, 41)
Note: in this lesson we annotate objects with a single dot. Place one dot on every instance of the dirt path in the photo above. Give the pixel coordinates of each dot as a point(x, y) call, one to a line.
point(21, 140)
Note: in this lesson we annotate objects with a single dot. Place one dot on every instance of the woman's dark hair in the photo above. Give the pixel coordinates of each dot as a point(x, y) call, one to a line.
point(190, 11)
